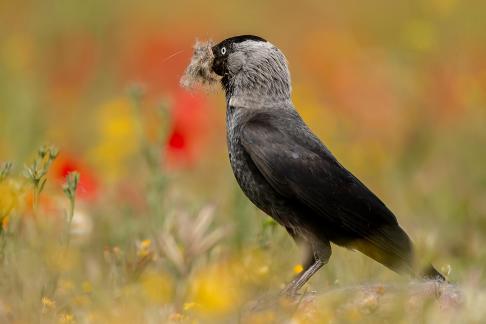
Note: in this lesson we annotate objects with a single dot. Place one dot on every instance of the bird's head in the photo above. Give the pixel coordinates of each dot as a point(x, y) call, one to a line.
point(249, 65)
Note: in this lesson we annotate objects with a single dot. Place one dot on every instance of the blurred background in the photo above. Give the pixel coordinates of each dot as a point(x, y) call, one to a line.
point(397, 90)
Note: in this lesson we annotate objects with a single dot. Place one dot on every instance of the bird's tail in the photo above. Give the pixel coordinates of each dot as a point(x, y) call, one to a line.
point(392, 247)
point(431, 273)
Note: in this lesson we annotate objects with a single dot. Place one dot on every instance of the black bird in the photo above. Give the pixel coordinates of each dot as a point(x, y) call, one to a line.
point(286, 171)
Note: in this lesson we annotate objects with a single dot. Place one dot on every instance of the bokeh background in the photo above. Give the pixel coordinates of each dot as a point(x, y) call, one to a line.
point(161, 232)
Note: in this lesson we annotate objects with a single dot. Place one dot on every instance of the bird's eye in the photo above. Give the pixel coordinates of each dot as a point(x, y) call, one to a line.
point(223, 50)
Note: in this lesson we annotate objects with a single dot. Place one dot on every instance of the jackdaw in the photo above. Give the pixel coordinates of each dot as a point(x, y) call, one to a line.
point(286, 171)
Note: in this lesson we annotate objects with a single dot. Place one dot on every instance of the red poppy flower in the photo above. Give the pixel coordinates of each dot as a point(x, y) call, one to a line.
point(88, 185)
point(189, 129)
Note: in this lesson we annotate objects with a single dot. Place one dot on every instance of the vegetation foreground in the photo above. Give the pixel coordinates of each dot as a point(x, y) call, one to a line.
point(71, 259)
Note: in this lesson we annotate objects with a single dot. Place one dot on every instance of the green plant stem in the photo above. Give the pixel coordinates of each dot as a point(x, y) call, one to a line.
point(35, 200)
point(70, 220)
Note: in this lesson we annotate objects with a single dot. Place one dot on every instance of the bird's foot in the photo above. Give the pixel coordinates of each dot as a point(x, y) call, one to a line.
point(290, 291)
point(291, 296)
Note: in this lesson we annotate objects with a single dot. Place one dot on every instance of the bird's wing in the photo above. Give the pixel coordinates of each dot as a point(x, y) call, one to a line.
point(300, 168)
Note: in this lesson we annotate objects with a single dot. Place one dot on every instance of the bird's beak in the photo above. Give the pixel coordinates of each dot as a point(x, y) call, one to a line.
point(200, 72)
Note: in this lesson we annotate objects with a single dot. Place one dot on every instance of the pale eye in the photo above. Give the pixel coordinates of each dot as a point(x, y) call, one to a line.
point(223, 50)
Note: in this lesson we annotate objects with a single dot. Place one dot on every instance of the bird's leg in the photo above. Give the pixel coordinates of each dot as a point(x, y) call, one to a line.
point(309, 261)
point(304, 276)
point(322, 253)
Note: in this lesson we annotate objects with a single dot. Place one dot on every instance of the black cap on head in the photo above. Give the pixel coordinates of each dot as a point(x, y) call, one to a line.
point(228, 42)
point(242, 38)
point(224, 48)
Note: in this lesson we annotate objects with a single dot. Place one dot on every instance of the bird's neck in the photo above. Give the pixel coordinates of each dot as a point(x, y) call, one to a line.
point(251, 95)
point(257, 87)
point(256, 102)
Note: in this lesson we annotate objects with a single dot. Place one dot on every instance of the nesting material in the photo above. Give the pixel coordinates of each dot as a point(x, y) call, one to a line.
point(198, 73)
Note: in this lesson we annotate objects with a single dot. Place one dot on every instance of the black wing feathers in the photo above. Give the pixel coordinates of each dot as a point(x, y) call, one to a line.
point(299, 167)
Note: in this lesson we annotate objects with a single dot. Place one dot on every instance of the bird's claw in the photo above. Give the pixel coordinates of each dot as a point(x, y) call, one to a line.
point(289, 291)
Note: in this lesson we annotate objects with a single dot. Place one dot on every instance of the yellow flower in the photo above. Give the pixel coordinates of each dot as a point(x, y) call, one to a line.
point(9, 199)
point(216, 290)
point(47, 304)
point(66, 318)
point(157, 287)
point(144, 248)
point(118, 136)
point(298, 268)
point(188, 306)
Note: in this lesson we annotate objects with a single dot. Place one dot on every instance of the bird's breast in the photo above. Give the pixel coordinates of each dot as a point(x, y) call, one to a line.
point(249, 178)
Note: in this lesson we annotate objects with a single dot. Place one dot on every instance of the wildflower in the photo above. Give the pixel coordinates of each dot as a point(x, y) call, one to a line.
point(216, 290)
point(298, 268)
point(157, 287)
point(71, 184)
point(144, 248)
point(37, 171)
point(118, 137)
point(9, 199)
point(87, 186)
point(66, 318)
point(188, 306)
point(189, 129)
point(47, 304)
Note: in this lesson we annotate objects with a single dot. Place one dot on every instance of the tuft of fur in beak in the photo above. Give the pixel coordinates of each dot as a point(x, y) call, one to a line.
point(199, 73)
